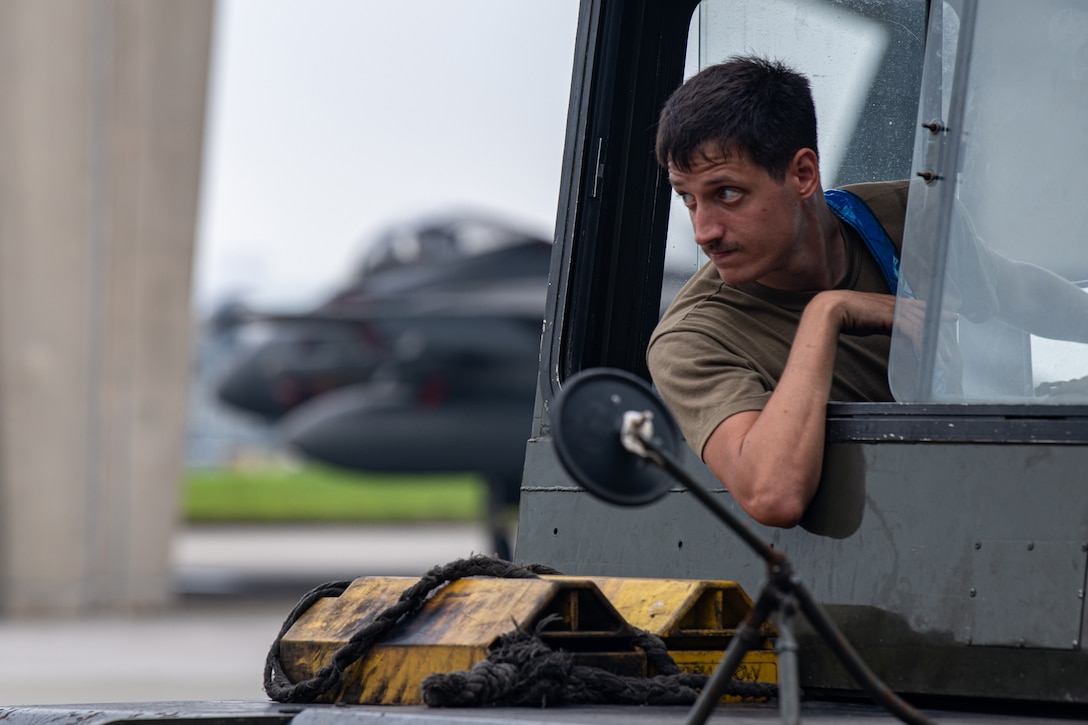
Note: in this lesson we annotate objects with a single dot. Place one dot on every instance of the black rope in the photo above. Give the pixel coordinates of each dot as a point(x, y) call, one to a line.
point(520, 669)
point(278, 685)
point(523, 671)
point(657, 654)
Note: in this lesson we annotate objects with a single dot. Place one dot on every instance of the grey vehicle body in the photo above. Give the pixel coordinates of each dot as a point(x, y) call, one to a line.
point(949, 537)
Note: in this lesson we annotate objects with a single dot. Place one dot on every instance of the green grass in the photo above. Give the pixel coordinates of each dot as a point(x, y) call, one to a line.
point(273, 494)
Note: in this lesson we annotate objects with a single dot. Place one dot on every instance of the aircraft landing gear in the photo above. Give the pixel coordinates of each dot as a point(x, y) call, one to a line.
point(503, 491)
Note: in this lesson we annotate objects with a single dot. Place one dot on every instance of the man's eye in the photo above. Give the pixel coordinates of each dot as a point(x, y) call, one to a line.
point(728, 194)
point(685, 198)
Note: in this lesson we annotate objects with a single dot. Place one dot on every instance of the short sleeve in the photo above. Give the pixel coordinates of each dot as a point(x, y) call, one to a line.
point(703, 383)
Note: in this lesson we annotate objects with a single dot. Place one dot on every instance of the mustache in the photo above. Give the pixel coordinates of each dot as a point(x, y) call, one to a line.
point(720, 247)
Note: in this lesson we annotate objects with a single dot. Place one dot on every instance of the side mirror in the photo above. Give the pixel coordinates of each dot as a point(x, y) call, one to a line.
point(587, 421)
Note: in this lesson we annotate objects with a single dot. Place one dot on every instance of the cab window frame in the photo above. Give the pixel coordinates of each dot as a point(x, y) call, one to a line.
point(608, 261)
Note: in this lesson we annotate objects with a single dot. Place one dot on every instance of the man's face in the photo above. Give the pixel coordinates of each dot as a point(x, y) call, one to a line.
point(747, 223)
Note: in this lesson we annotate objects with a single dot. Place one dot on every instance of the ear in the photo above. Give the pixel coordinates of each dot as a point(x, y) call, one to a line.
point(805, 169)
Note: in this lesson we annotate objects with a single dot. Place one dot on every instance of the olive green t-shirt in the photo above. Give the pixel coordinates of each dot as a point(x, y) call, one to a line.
point(720, 349)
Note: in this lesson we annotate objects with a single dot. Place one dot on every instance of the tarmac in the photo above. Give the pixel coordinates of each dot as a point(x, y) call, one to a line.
point(234, 587)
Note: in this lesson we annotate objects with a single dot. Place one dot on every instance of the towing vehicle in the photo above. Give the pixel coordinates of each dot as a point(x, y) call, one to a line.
point(949, 538)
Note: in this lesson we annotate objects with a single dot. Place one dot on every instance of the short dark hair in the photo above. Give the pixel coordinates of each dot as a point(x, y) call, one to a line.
point(749, 105)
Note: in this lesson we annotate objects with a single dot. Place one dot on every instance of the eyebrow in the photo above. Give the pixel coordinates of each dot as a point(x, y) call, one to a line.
point(725, 180)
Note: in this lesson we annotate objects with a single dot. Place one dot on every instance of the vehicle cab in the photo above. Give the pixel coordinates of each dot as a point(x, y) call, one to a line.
point(949, 536)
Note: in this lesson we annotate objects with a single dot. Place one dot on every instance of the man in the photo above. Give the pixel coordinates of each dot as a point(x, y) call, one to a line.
point(798, 300)
point(792, 311)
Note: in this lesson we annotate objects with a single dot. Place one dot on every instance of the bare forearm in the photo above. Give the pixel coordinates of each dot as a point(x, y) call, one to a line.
point(775, 469)
point(782, 454)
point(771, 460)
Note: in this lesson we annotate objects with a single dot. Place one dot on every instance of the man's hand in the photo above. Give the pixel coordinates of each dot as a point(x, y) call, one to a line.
point(859, 313)
point(770, 460)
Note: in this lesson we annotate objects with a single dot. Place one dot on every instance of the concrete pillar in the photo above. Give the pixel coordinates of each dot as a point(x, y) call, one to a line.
point(101, 122)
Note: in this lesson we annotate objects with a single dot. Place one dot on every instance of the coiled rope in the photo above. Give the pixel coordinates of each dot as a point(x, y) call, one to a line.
point(520, 670)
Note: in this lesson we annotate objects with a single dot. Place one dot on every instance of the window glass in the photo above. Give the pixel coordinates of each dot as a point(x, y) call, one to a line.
point(994, 246)
point(864, 61)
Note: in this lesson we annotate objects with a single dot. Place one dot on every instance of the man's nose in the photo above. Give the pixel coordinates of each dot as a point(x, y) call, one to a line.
point(707, 225)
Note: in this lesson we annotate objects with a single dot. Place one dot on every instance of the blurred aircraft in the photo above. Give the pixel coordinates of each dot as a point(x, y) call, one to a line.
point(426, 362)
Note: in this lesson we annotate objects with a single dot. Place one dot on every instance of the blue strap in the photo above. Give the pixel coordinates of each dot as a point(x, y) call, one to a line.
point(854, 212)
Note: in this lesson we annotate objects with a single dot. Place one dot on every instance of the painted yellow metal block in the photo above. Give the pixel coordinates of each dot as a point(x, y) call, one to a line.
point(695, 618)
point(757, 665)
point(452, 631)
point(679, 609)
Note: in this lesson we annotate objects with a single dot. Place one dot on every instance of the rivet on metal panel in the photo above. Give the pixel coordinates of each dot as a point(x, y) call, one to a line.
point(973, 592)
point(1084, 547)
point(1020, 642)
point(1031, 545)
point(978, 544)
point(1076, 643)
point(1080, 594)
point(934, 127)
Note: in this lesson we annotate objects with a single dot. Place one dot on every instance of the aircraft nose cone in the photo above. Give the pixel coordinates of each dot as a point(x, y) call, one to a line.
point(388, 428)
point(243, 388)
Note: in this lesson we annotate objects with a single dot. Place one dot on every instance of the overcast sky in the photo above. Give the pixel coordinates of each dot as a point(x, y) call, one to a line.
point(330, 119)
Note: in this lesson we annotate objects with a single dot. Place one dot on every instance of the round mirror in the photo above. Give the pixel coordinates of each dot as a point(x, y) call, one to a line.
point(587, 418)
